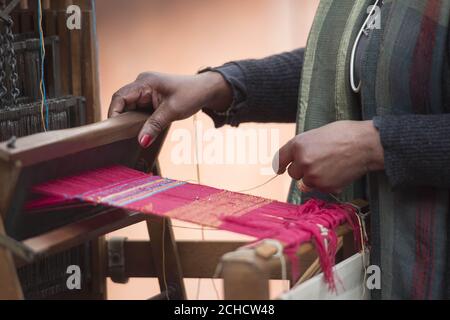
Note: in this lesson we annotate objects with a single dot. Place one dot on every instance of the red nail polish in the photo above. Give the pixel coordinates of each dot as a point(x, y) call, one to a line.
point(146, 140)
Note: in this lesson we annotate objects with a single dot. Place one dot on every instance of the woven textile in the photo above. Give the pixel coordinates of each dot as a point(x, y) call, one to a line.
point(261, 218)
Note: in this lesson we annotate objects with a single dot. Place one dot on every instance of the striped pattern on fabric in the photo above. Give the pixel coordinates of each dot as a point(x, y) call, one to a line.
point(401, 73)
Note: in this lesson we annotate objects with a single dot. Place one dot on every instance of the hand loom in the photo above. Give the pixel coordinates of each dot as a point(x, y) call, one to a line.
point(67, 98)
point(41, 235)
point(44, 157)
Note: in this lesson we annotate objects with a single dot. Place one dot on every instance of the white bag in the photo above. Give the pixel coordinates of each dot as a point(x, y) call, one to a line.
point(350, 283)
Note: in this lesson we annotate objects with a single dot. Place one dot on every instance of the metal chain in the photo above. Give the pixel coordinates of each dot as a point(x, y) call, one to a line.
point(11, 56)
point(3, 88)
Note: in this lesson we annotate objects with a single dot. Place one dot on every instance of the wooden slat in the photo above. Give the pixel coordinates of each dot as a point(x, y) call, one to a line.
point(81, 231)
point(60, 4)
point(24, 4)
point(90, 76)
point(198, 259)
point(65, 51)
point(49, 22)
point(83, 4)
point(27, 20)
point(15, 16)
point(49, 145)
point(75, 61)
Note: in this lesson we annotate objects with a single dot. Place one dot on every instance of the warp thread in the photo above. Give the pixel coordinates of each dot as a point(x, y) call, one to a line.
point(290, 224)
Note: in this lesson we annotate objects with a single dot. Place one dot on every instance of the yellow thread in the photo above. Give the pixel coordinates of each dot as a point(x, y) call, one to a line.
point(197, 167)
point(260, 185)
point(197, 157)
point(363, 235)
point(199, 279)
point(195, 228)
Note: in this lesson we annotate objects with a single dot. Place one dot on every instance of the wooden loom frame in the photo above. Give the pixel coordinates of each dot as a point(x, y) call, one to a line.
point(78, 52)
point(245, 272)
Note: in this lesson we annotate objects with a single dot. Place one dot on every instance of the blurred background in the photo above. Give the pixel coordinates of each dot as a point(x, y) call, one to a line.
point(183, 36)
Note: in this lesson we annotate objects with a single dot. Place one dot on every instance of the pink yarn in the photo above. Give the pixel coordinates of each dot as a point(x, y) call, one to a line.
point(291, 224)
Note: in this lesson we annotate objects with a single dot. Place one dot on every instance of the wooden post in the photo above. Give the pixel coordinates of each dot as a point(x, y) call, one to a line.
point(24, 4)
point(9, 282)
point(245, 276)
point(167, 261)
point(98, 263)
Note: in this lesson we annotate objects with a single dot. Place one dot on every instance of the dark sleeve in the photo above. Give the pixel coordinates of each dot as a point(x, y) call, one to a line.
point(416, 149)
point(264, 90)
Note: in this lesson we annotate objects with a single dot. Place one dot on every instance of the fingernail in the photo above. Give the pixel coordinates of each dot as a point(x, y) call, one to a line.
point(145, 140)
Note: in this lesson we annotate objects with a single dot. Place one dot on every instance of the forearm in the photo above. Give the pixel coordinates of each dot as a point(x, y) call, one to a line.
point(263, 90)
point(416, 149)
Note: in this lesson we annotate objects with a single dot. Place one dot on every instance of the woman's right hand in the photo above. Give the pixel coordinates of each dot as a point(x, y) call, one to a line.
point(172, 98)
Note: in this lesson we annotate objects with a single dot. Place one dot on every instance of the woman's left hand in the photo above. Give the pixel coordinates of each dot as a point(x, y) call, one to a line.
point(329, 158)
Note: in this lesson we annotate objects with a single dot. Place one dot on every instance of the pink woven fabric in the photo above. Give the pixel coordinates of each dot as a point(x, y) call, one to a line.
point(261, 218)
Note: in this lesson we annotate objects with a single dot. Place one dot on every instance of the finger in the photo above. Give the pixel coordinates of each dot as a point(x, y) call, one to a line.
point(119, 99)
point(145, 100)
point(157, 122)
point(283, 158)
point(127, 96)
point(294, 171)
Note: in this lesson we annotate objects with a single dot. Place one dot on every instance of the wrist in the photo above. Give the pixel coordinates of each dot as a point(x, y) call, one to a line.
point(373, 146)
point(219, 94)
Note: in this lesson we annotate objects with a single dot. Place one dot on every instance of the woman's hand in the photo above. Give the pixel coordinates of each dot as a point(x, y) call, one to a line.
point(333, 156)
point(171, 97)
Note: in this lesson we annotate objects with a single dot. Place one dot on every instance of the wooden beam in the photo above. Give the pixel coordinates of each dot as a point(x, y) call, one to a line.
point(81, 231)
point(198, 259)
point(54, 144)
point(246, 274)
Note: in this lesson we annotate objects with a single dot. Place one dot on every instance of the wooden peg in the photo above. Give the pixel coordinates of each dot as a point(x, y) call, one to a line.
point(266, 250)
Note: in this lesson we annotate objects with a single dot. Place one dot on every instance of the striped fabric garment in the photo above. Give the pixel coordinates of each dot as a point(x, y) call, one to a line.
point(405, 70)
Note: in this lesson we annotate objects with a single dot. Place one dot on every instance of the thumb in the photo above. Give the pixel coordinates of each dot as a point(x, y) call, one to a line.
point(155, 124)
point(283, 157)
